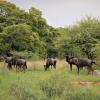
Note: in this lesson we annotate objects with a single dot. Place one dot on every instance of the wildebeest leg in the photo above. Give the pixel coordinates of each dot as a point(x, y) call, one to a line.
point(4, 64)
point(51, 66)
point(71, 67)
point(9, 66)
point(92, 70)
point(25, 65)
point(16, 68)
point(54, 66)
point(78, 69)
point(24, 68)
point(21, 68)
point(88, 69)
point(81, 67)
point(46, 67)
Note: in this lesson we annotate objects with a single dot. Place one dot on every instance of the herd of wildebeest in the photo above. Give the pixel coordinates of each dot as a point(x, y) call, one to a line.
point(21, 64)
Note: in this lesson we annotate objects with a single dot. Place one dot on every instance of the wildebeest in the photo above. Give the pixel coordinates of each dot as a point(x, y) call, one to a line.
point(20, 63)
point(50, 62)
point(17, 62)
point(80, 63)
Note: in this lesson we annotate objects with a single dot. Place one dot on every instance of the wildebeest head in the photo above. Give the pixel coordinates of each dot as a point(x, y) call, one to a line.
point(46, 66)
point(93, 62)
point(68, 57)
point(8, 59)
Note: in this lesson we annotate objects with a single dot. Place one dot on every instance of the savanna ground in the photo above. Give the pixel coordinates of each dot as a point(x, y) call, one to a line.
point(54, 84)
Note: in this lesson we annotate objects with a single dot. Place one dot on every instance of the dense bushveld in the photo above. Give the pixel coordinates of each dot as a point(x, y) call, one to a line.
point(54, 84)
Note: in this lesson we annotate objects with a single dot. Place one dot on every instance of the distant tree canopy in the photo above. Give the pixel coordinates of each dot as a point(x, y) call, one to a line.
point(80, 39)
point(29, 31)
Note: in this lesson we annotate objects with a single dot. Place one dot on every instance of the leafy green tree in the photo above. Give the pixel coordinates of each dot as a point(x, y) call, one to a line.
point(19, 36)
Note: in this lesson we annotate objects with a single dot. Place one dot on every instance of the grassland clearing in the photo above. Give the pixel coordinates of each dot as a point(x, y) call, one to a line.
point(54, 84)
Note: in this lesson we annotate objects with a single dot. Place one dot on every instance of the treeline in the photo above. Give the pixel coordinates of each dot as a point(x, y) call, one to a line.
point(29, 32)
point(82, 38)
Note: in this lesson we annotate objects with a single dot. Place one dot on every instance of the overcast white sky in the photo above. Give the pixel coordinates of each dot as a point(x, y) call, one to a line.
point(60, 13)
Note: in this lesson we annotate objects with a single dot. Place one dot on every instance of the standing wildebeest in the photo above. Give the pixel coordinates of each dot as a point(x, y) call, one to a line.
point(80, 63)
point(50, 62)
point(20, 63)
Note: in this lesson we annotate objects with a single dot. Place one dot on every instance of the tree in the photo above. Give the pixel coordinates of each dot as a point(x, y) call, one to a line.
point(19, 36)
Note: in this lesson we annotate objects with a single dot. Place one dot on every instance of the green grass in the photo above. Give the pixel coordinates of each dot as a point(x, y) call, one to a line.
point(47, 85)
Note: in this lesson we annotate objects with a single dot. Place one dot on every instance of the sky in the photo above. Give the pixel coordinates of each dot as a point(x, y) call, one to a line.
point(62, 13)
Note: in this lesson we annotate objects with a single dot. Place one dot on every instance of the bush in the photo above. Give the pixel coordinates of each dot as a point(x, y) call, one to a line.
point(96, 50)
point(57, 88)
point(54, 87)
point(21, 92)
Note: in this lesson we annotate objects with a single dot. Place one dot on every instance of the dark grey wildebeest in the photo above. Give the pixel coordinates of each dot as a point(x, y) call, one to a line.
point(50, 62)
point(80, 63)
point(20, 63)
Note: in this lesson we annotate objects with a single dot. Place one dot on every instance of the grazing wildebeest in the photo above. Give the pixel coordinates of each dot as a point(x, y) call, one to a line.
point(20, 63)
point(50, 62)
point(17, 62)
point(80, 63)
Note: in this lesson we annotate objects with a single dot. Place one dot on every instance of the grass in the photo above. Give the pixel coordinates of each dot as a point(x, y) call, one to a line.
point(54, 84)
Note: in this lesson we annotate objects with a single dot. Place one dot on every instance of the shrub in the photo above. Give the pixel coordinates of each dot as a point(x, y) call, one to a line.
point(57, 88)
point(21, 92)
point(54, 87)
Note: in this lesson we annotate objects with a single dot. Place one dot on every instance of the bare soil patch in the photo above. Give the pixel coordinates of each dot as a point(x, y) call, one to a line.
point(85, 83)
